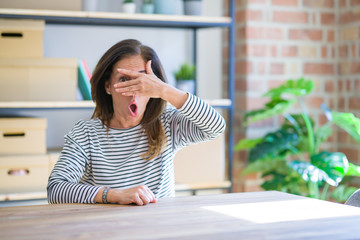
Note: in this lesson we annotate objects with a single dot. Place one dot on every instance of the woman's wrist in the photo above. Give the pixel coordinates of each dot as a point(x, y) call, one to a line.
point(174, 96)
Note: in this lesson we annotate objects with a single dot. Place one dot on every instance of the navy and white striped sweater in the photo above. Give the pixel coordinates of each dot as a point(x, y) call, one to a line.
point(93, 158)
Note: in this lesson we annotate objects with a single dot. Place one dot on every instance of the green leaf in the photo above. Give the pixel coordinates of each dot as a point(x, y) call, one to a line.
point(273, 108)
point(275, 145)
point(298, 87)
point(322, 134)
point(353, 170)
point(335, 165)
point(247, 144)
point(308, 171)
point(266, 165)
point(348, 122)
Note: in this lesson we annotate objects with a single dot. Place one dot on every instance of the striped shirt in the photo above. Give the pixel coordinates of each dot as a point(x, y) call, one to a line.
point(93, 158)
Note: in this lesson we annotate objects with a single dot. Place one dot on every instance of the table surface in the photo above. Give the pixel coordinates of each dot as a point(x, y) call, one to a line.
point(257, 215)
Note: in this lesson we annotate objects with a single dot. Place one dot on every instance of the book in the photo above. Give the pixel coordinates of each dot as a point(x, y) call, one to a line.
point(84, 77)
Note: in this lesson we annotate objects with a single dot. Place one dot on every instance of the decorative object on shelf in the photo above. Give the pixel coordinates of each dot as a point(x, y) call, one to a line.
point(164, 6)
point(147, 7)
point(90, 5)
point(290, 159)
point(192, 7)
point(84, 77)
point(129, 6)
point(179, 7)
point(185, 78)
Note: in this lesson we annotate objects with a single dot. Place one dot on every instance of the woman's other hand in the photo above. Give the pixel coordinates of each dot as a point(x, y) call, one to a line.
point(140, 195)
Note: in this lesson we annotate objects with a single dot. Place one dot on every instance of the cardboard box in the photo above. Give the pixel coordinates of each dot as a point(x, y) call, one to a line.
point(201, 163)
point(47, 79)
point(53, 157)
point(21, 38)
point(23, 135)
point(20, 174)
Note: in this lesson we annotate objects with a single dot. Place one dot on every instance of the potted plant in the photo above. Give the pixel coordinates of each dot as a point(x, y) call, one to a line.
point(290, 159)
point(185, 78)
point(129, 6)
point(192, 7)
point(147, 7)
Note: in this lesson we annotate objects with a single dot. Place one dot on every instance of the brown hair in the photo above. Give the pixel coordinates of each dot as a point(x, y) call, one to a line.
point(104, 104)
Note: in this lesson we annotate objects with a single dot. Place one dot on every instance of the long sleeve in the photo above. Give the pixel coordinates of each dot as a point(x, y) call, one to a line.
point(196, 121)
point(63, 185)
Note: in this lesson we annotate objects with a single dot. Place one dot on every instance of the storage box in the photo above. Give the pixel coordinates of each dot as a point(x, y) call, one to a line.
point(21, 38)
point(47, 79)
point(23, 135)
point(201, 163)
point(20, 174)
point(53, 157)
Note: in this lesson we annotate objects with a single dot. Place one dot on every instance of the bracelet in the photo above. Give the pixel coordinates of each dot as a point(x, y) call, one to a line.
point(104, 195)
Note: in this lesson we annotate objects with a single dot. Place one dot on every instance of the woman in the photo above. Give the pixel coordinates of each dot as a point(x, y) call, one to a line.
point(124, 153)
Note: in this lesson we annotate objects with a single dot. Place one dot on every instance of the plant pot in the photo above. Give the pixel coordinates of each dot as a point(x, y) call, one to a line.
point(90, 5)
point(186, 85)
point(164, 6)
point(147, 8)
point(129, 8)
point(192, 7)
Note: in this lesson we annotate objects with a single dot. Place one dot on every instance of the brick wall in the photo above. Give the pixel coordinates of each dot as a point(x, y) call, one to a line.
point(277, 40)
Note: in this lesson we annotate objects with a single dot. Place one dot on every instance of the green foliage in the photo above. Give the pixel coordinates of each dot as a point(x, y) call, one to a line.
point(128, 1)
point(186, 72)
point(289, 158)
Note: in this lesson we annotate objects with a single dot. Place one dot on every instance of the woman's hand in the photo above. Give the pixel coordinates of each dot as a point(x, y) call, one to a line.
point(140, 195)
point(145, 84)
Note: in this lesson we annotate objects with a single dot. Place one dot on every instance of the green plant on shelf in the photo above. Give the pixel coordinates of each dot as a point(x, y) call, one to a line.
point(289, 159)
point(186, 72)
point(128, 1)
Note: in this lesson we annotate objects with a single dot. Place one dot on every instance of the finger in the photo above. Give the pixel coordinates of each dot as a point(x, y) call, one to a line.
point(152, 196)
point(138, 200)
point(148, 68)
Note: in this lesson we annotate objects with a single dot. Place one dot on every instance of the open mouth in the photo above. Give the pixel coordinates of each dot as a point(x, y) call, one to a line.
point(133, 109)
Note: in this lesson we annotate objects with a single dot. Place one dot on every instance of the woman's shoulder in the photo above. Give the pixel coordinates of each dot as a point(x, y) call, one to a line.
point(87, 126)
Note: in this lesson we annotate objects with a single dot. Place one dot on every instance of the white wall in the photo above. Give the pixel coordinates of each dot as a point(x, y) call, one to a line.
point(174, 46)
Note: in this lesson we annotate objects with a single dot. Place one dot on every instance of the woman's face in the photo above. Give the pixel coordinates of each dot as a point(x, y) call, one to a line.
point(129, 110)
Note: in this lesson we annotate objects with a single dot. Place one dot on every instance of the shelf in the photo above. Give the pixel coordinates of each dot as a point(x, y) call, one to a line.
point(118, 19)
point(218, 103)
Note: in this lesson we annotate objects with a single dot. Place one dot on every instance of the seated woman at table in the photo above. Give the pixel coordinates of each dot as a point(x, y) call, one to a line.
point(124, 154)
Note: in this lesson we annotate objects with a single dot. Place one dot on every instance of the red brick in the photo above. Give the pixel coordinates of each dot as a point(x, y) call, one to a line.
point(348, 85)
point(343, 51)
point(343, 3)
point(351, 154)
point(256, 50)
point(353, 51)
point(341, 103)
point(254, 15)
point(261, 68)
point(314, 102)
point(277, 68)
point(319, 3)
point(288, 3)
point(354, 103)
point(327, 18)
point(331, 36)
point(354, 3)
point(329, 87)
point(264, 33)
point(324, 52)
point(256, 103)
point(305, 34)
point(256, 85)
point(357, 85)
point(319, 68)
point(290, 17)
point(273, 51)
point(289, 51)
point(243, 67)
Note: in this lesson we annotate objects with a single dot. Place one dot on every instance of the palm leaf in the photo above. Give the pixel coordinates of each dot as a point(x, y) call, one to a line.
point(353, 170)
point(348, 122)
point(247, 144)
point(275, 145)
point(273, 108)
point(298, 87)
point(335, 165)
point(308, 171)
